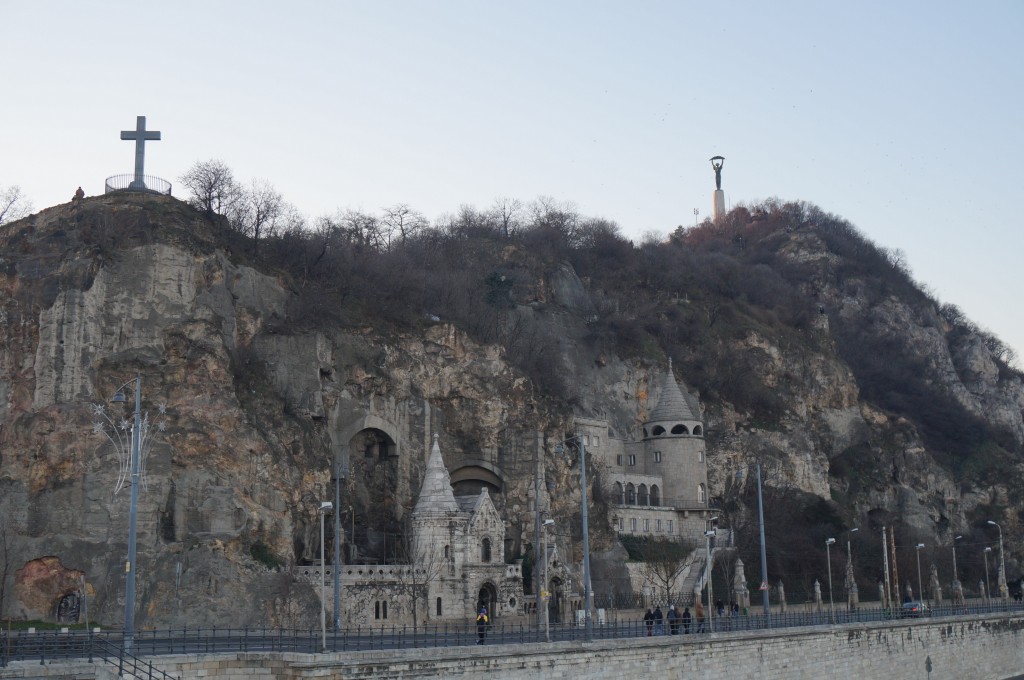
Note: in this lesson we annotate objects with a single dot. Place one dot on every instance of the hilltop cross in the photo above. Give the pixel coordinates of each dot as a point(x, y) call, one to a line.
point(140, 135)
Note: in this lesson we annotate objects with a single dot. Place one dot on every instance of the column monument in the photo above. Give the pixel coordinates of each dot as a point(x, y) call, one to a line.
point(716, 163)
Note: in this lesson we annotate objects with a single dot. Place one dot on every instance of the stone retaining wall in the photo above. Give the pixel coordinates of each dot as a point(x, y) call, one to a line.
point(980, 648)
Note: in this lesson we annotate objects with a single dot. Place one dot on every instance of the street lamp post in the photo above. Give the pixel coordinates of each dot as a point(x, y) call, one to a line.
point(325, 507)
point(133, 510)
point(710, 571)
point(1003, 590)
point(828, 554)
point(920, 585)
point(340, 471)
point(764, 560)
point(988, 588)
point(588, 622)
point(849, 535)
point(543, 592)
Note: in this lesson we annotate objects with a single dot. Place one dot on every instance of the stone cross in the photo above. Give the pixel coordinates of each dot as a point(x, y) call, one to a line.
point(140, 135)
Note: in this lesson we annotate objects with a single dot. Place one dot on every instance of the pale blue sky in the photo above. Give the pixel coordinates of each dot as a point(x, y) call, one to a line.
point(902, 117)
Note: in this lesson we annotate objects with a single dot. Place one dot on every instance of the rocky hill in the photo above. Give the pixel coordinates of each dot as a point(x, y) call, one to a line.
point(866, 402)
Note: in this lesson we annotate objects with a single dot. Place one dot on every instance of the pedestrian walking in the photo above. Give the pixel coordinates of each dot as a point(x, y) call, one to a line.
point(698, 612)
point(659, 619)
point(482, 623)
point(649, 621)
point(673, 620)
point(686, 621)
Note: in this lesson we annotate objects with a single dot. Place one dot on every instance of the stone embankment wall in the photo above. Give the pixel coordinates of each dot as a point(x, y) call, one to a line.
point(972, 647)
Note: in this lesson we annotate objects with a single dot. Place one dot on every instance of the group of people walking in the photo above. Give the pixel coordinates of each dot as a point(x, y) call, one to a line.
point(655, 621)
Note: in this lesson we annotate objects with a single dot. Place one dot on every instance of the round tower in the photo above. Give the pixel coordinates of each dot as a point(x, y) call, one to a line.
point(673, 438)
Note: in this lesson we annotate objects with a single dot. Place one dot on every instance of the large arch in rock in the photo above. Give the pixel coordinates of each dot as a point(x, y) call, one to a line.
point(474, 475)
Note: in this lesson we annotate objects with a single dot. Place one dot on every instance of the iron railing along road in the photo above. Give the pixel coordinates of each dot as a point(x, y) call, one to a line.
point(52, 646)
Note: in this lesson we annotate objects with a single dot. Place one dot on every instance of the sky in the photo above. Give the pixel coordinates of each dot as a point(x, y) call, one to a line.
point(903, 118)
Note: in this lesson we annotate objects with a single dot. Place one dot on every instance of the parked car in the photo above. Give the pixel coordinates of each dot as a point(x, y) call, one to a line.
point(913, 610)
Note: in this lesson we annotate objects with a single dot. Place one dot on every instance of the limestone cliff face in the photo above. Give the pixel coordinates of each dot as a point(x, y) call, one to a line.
point(256, 415)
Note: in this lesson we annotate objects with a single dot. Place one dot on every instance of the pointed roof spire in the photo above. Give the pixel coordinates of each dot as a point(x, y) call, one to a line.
point(436, 495)
point(672, 405)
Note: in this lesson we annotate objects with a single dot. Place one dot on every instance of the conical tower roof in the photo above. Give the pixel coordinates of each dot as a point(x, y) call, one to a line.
point(436, 497)
point(672, 406)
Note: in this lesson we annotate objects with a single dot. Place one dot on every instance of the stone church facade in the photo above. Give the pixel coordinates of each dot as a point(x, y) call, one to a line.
point(457, 566)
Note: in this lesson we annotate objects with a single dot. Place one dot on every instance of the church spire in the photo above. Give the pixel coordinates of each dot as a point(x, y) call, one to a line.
point(436, 495)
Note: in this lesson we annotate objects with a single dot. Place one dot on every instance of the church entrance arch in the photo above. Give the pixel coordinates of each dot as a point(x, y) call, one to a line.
point(488, 597)
point(555, 588)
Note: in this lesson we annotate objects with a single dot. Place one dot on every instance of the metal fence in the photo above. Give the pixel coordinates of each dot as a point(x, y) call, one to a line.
point(52, 646)
point(148, 184)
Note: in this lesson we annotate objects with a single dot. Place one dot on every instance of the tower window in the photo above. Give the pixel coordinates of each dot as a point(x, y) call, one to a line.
point(657, 456)
point(597, 440)
point(632, 525)
point(700, 455)
point(632, 459)
point(658, 431)
point(670, 526)
point(657, 525)
point(438, 606)
point(485, 550)
point(618, 459)
point(680, 429)
point(647, 525)
point(701, 494)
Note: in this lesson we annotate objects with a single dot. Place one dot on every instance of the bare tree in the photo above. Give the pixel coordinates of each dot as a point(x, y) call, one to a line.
point(264, 211)
point(664, 561)
point(213, 188)
point(363, 229)
point(13, 204)
point(506, 213)
point(425, 564)
point(403, 221)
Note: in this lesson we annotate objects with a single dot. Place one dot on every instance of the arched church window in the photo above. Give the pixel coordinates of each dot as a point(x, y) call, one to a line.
point(655, 495)
point(384, 608)
point(630, 494)
point(617, 492)
point(701, 493)
point(642, 494)
point(680, 429)
point(697, 430)
point(376, 609)
point(658, 431)
point(485, 550)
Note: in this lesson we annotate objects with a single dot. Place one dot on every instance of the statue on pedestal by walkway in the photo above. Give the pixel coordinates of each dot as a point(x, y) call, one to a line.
point(740, 593)
point(782, 598)
point(933, 584)
point(852, 595)
point(817, 595)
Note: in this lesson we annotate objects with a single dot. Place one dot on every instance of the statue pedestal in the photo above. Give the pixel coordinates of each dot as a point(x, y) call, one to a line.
point(719, 205)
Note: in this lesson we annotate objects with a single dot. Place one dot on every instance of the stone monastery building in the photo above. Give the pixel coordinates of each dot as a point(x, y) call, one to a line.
point(659, 483)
